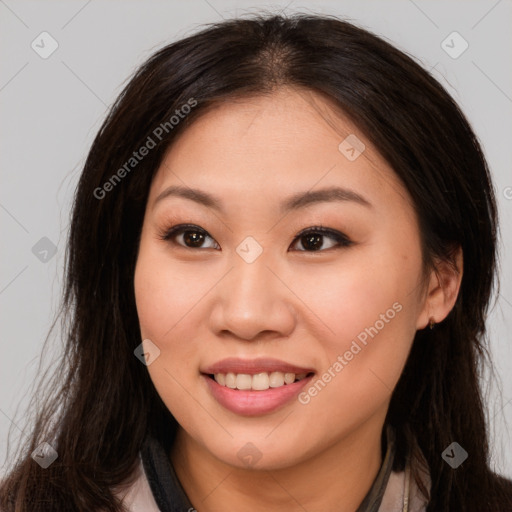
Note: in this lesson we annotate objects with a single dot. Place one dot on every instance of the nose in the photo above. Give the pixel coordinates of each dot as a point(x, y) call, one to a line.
point(252, 302)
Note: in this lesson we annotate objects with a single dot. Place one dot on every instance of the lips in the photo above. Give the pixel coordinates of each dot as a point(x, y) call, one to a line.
point(254, 366)
point(263, 400)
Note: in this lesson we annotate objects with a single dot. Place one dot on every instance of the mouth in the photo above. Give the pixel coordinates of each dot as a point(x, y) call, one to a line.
point(255, 387)
point(255, 374)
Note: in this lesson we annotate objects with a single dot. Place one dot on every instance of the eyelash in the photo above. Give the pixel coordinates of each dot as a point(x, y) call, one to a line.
point(341, 240)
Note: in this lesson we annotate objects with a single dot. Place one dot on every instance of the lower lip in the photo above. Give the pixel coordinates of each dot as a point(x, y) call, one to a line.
point(254, 403)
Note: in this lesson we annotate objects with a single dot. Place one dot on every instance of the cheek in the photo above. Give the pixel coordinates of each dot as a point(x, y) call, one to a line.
point(369, 305)
point(352, 293)
point(165, 303)
point(164, 292)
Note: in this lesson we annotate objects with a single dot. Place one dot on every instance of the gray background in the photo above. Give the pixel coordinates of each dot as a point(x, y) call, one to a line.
point(51, 109)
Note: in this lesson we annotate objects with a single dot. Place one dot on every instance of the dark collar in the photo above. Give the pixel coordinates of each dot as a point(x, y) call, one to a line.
point(170, 495)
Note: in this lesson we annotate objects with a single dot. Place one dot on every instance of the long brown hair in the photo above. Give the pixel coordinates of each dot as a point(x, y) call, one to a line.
point(102, 401)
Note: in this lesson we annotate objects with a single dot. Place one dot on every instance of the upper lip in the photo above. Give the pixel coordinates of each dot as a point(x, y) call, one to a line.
point(253, 366)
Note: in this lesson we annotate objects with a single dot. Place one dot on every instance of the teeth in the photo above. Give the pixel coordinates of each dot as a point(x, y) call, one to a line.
point(243, 381)
point(258, 382)
point(230, 380)
point(289, 378)
point(276, 379)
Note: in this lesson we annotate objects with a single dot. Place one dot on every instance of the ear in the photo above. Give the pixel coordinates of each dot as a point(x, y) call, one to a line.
point(443, 288)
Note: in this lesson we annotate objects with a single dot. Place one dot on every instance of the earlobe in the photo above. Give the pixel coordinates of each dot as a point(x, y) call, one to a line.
point(443, 289)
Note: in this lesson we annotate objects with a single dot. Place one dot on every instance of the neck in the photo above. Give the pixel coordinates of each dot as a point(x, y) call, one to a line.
point(337, 478)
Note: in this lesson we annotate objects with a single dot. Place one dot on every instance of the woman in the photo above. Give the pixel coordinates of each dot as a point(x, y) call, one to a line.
point(277, 280)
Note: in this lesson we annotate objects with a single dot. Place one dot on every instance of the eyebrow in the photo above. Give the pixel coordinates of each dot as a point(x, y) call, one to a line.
point(295, 202)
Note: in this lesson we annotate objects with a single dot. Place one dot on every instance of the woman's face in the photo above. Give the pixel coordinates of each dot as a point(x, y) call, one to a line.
point(242, 293)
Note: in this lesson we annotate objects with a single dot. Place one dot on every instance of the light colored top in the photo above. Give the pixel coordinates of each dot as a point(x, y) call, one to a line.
point(401, 492)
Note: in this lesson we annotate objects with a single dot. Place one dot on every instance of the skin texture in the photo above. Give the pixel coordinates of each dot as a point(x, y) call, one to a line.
point(201, 305)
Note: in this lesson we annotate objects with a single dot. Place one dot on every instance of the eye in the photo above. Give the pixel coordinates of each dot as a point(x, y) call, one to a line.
point(192, 237)
point(312, 239)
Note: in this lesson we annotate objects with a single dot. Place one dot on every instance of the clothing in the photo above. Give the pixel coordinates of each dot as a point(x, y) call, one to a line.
point(158, 489)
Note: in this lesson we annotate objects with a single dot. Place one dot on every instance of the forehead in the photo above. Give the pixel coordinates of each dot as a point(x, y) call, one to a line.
point(281, 142)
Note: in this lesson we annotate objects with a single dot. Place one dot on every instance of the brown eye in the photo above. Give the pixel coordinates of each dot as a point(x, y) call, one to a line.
point(313, 239)
point(189, 236)
point(193, 238)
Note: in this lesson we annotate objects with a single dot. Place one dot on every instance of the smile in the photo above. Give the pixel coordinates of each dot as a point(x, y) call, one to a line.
point(257, 382)
point(255, 387)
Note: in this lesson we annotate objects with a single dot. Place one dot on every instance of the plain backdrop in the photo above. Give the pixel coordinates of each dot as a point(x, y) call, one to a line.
point(51, 108)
